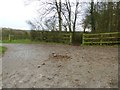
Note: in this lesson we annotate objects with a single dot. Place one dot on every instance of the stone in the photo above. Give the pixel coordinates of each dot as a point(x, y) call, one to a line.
point(43, 64)
point(76, 80)
point(88, 71)
point(54, 55)
point(38, 66)
point(59, 65)
point(20, 81)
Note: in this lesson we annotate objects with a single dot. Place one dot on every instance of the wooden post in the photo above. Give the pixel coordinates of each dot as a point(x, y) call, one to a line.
point(9, 37)
point(101, 38)
point(70, 38)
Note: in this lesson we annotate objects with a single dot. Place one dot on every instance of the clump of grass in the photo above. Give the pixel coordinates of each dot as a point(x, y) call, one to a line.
point(2, 49)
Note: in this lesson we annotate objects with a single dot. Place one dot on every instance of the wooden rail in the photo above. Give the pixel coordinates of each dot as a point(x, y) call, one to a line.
point(62, 37)
point(67, 38)
point(101, 38)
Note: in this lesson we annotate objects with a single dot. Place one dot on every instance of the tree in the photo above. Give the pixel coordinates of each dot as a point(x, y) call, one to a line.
point(92, 16)
point(86, 23)
point(52, 7)
point(76, 13)
point(50, 23)
point(67, 9)
point(117, 16)
point(70, 12)
point(58, 8)
point(35, 24)
point(104, 16)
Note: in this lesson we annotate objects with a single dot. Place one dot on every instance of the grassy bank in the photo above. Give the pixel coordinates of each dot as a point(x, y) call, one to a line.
point(2, 49)
point(17, 41)
point(28, 41)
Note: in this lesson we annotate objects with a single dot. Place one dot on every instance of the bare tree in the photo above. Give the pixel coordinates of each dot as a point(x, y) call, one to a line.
point(59, 8)
point(50, 23)
point(51, 7)
point(35, 24)
point(66, 13)
point(76, 13)
point(92, 16)
point(67, 9)
point(71, 15)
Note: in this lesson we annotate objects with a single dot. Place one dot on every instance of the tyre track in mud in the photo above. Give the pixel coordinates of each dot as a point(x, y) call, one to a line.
point(55, 66)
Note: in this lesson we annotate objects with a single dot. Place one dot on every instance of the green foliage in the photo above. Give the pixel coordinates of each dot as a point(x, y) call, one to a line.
point(105, 17)
point(14, 34)
point(2, 49)
point(17, 41)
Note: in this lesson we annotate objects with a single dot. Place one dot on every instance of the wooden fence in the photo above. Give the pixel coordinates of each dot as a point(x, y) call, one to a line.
point(47, 36)
point(61, 37)
point(67, 38)
point(101, 38)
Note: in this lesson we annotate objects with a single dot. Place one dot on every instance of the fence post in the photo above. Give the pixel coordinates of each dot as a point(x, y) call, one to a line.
point(70, 38)
point(101, 38)
point(9, 37)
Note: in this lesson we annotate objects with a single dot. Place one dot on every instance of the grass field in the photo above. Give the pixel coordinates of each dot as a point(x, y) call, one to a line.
point(2, 49)
point(17, 41)
point(28, 41)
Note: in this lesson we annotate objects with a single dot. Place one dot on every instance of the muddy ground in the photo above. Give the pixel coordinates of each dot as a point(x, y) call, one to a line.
point(59, 66)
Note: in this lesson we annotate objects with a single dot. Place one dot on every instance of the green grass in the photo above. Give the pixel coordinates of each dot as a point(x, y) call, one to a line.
point(28, 41)
point(2, 49)
point(17, 41)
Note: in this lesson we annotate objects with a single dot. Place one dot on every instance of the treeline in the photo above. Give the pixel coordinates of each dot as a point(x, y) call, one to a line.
point(14, 34)
point(103, 17)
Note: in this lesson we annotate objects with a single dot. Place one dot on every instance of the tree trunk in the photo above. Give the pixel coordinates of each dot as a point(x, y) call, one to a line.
point(59, 7)
point(110, 15)
point(92, 16)
point(76, 12)
point(117, 16)
point(74, 23)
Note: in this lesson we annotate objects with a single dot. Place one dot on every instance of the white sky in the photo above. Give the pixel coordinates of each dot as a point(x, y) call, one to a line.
point(14, 13)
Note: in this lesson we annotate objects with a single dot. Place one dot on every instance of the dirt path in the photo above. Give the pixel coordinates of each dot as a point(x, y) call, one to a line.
point(59, 66)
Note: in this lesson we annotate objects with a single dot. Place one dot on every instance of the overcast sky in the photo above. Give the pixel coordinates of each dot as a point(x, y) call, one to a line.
point(14, 13)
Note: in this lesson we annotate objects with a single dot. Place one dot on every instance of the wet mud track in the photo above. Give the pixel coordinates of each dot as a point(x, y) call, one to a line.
point(59, 66)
